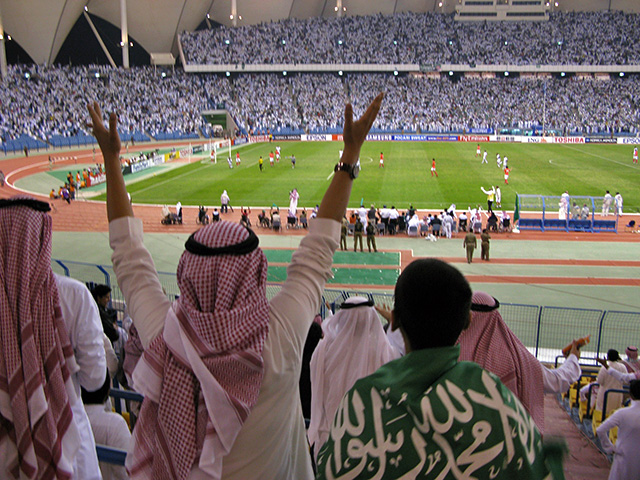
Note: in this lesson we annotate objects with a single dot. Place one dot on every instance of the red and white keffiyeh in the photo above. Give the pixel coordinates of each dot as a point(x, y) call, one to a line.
point(490, 343)
point(202, 376)
point(38, 437)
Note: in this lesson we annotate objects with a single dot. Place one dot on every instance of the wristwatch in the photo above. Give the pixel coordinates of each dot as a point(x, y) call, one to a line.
point(352, 169)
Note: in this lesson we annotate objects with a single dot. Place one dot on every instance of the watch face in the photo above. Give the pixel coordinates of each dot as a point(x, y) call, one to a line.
point(355, 170)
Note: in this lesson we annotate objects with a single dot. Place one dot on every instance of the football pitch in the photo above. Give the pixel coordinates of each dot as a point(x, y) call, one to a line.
point(541, 169)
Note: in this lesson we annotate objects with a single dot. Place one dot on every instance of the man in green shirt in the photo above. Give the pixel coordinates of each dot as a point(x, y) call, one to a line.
point(426, 415)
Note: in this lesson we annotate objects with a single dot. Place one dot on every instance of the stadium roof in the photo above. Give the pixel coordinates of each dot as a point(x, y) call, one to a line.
point(41, 27)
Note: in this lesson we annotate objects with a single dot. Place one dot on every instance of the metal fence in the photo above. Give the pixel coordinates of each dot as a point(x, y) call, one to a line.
point(544, 330)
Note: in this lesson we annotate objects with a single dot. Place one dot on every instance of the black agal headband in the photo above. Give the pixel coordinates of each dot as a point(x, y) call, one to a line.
point(246, 246)
point(346, 306)
point(478, 307)
point(25, 202)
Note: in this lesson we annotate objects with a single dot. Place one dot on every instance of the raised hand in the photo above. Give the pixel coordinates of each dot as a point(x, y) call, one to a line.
point(356, 132)
point(109, 140)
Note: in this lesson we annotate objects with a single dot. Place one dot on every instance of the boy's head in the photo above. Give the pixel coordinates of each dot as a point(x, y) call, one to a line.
point(432, 304)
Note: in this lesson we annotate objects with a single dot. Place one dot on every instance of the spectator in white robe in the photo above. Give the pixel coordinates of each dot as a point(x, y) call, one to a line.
point(609, 382)
point(626, 461)
point(354, 346)
point(109, 429)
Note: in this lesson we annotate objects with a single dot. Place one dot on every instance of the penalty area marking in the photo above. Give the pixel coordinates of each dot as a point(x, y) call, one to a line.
point(599, 156)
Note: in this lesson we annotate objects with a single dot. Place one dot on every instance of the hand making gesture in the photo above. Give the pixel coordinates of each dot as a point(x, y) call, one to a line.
point(109, 140)
point(356, 132)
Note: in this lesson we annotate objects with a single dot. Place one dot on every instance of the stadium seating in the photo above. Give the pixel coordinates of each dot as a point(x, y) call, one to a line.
point(604, 226)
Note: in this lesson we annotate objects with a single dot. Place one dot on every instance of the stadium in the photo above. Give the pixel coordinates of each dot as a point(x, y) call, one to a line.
point(206, 92)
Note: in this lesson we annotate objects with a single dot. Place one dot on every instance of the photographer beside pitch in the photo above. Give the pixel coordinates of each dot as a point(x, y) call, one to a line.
point(221, 364)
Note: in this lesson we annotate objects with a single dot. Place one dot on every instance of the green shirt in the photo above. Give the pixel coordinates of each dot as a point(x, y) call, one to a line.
point(426, 415)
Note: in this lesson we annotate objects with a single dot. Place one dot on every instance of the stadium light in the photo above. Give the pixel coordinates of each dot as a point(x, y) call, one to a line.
point(450, 42)
point(395, 72)
point(506, 74)
point(228, 74)
point(339, 42)
point(450, 73)
point(340, 72)
point(231, 17)
point(559, 43)
point(239, 17)
point(86, 9)
point(556, 4)
point(122, 44)
point(284, 73)
point(163, 74)
point(227, 42)
point(208, 16)
point(440, 5)
point(622, 74)
point(9, 38)
point(97, 74)
point(506, 43)
point(131, 44)
point(284, 42)
point(27, 75)
point(335, 9)
point(395, 42)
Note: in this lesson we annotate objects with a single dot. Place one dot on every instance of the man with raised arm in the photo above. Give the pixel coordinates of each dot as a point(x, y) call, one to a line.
point(221, 364)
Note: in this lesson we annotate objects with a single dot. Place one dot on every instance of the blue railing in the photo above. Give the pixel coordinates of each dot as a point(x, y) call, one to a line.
point(545, 330)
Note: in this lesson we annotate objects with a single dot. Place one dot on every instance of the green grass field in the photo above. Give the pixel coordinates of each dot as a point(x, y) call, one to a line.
point(406, 178)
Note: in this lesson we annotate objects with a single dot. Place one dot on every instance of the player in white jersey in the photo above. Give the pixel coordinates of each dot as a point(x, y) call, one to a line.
point(504, 162)
point(498, 160)
point(484, 157)
point(278, 154)
point(635, 155)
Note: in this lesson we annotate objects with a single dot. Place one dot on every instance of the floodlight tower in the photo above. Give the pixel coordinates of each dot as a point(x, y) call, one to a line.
point(339, 9)
point(124, 39)
point(3, 53)
point(234, 13)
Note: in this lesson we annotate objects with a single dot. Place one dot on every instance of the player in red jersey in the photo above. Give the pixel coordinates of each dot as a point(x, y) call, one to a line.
point(433, 167)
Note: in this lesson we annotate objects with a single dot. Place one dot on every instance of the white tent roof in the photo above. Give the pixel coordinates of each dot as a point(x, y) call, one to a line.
point(41, 26)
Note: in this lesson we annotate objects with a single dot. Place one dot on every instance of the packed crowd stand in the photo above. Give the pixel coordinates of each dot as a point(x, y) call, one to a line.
point(262, 103)
point(583, 38)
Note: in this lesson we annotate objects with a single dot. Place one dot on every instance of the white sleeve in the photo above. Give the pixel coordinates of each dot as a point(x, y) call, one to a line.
point(84, 326)
point(112, 359)
point(137, 278)
point(623, 377)
point(603, 432)
point(299, 299)
point(557, 380)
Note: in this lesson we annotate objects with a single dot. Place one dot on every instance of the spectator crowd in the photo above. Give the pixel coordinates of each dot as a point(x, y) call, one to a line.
point(270, 102)
point(584, 38)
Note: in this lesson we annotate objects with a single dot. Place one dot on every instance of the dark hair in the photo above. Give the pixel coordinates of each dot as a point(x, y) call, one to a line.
point(100, 290)
point(432, 303)
point(634, 389)
point(98, 397)
point(613, 355)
